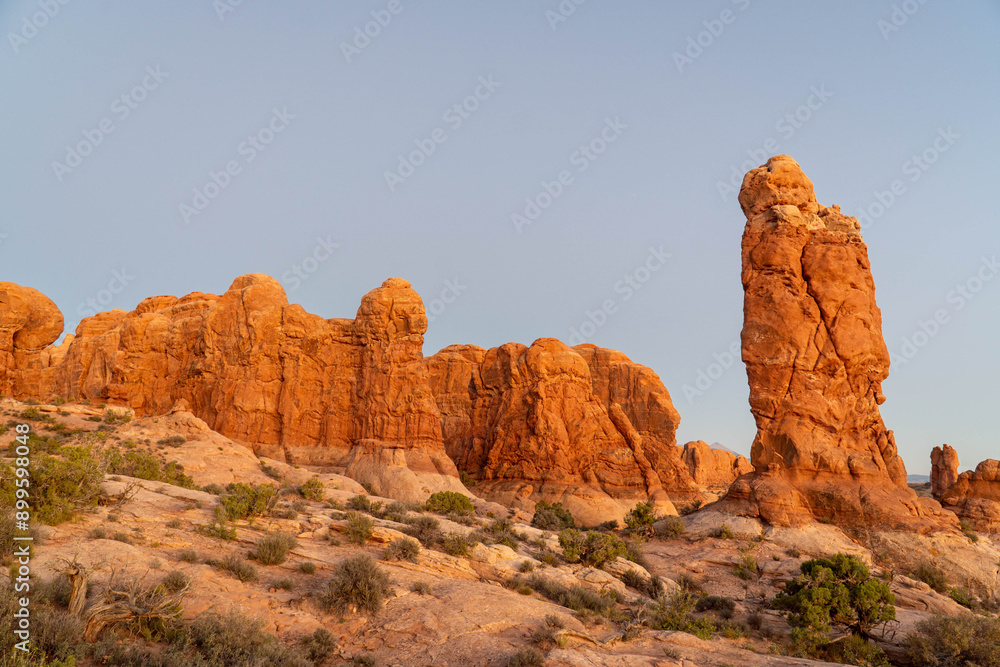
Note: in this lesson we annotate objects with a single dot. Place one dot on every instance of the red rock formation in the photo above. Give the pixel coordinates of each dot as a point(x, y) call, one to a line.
point(586, 426)
point(944, 470)
point(290, 384)
point(812, 343)
point(713, 469)
point(974, 495)
point(582, 426)
point(29, 322)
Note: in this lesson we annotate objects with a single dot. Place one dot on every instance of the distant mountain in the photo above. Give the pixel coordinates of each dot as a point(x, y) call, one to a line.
point(918, 479)
point(719, 445)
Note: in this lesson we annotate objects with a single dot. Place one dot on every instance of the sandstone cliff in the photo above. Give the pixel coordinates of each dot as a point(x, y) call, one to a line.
point(291, 385)
point(583, 426)
point(812, 343)
point(586, 426)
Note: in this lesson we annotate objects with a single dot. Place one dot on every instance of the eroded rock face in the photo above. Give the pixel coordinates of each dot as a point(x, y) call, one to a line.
point(713, 468)
point(812, 343)
point(973, 495)
point(29, 322)
point(944, 470)
point(289, 384)
point(583, 426)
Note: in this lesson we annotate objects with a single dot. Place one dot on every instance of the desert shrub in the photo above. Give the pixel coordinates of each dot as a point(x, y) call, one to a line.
point(319, 646)
point(307, 567)
point(190, 556)
point(965, 640)
point(854, 650)
point(836, 591)
point(421, 587)
point(242, 501)
point(576, 598)
point(746, 567)
point(455, 544)
point(552, 517)
point(219, 527)
point(172, 441)
point(402, 548)
point(360, 503)
point(529, 657)
point(312, 489)
point(427, 529)
point(98, 533)
point(237, 566)
point(122, 537)
point(590, 548)
point(673, 612)
point(173, 523)
point(641, 517)
point(931, 575)
point(669, 527)
point(723, 605)
point(364, 660)
point(283, 584)
point(445, 502)
point(175, 581)
point(526, 566)
point(273, 549)
point(396, 511)
point(633, 552)
point(214, 489)
point(234, 640)
point(115, 417)
point(633, 579)
point(501, 531)
point(723, 532)
point(62, 485)
point(144, 465)
point(357, 581)
point(56, 636)
point(359, 527)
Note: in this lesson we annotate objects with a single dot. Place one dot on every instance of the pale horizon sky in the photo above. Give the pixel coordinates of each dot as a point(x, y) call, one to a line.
point(168, 148)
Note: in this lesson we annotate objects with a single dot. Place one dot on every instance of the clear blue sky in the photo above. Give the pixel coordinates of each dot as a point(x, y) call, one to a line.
point(677, 129)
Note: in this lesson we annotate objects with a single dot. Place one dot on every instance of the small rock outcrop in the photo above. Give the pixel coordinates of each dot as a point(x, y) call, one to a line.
point(714, 469)
point(29, 322)
point(973, 495)
point(815, 357)
point(944, 470)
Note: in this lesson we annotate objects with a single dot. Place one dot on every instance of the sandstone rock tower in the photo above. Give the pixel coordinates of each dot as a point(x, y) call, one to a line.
point(815, 357)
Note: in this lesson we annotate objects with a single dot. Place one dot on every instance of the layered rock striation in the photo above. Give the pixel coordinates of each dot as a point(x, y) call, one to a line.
point(815, 357)
point(973, 495)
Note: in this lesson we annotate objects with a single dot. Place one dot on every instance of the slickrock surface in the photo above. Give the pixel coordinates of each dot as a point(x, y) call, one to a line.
point(815, 357)
point(972, 495)
point(583, 426)
point(713, 468)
